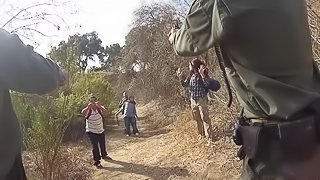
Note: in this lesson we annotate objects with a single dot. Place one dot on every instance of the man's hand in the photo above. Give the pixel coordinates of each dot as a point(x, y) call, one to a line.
point(202, 70)
point(171, 35)
point(98, 105)
point(179, 72)
point(90, 105)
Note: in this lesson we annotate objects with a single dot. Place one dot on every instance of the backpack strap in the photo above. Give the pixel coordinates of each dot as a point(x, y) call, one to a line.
point(100, 112)
point(89, 113)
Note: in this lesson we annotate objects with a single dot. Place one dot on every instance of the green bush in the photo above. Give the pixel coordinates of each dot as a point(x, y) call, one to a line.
point(47, 120)
point(94, 84)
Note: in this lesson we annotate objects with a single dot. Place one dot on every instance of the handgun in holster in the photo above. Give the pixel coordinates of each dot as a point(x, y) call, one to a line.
point(296, 139)
point(237, 137)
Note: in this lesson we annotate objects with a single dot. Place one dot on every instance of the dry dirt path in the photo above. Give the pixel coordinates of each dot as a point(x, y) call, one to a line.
point(154, 154)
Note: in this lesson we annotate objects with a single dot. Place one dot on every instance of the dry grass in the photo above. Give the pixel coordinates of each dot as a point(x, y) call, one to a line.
point(314, 22)
point(71, 164)
point(215, 162)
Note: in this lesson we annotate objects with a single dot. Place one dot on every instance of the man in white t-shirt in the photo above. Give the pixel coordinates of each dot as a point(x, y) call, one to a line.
point(94, 128)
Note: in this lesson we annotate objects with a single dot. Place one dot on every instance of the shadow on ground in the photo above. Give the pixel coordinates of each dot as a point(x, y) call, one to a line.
point(153, 172)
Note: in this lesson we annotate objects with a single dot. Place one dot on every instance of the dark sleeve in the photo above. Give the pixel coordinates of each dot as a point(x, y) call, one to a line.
point(205, 82)
point(134, 110)
point(23, 70)
point(185, 82)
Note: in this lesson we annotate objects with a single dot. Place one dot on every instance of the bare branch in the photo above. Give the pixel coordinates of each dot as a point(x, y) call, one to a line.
point(37, 31)
point(185, 1)
point(23, 27)
point(24, 10)
point(30, 39)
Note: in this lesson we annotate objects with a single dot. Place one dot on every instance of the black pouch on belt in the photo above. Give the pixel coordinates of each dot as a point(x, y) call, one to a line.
point(251, 139)
point(295, 140)
point(298, 138)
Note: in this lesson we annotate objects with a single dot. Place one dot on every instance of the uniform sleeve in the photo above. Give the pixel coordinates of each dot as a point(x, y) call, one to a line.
point(201, 29)
point(23, 70)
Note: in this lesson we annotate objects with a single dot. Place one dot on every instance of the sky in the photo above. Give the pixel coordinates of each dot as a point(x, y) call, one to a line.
point(111, 19)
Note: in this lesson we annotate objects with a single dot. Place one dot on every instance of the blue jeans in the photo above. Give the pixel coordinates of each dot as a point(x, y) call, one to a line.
point(133, 122)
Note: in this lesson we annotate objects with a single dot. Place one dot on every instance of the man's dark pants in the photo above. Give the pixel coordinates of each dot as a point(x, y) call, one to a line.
point(98, 140)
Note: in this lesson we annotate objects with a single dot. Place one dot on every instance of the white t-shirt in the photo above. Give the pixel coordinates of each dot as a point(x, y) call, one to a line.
point(94, 123)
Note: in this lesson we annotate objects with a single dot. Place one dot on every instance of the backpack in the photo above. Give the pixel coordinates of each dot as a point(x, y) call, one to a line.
point(213, 85)
point(90, 111)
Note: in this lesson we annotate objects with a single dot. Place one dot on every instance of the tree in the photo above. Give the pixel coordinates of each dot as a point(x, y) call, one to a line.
point(112, 52)
point(147, 57)
point(84, 47)
point(182, 6)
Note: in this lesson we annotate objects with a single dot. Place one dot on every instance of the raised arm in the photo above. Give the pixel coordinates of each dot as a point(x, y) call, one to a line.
point(201, 29)
point(85, 110)
point(23, 70)
point(103, 109)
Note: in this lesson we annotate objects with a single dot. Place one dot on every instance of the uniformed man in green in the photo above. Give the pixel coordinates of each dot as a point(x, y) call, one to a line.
point(267, 52)
point(22, 70)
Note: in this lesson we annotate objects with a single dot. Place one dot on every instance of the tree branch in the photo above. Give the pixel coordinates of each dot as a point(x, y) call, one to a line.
point(35, 42)
point(185, 1)
point(23, 27)
point(23, 10)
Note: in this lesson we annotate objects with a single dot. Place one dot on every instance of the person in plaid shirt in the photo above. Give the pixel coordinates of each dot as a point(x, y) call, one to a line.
point(196, 84)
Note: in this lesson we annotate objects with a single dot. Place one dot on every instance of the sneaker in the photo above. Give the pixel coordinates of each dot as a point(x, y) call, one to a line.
point(107, 158)
point(99, 165)
point(127, 135)
point(137, 134)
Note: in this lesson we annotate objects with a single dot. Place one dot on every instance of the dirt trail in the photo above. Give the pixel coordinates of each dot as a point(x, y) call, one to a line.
point(151, 155)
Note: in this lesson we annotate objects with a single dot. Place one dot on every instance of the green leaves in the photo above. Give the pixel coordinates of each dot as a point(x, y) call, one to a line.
point(78, 50)
point(45, 120)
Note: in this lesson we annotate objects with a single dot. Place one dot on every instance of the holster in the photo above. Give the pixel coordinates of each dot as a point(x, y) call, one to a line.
point(252, 140)
point(293, 140)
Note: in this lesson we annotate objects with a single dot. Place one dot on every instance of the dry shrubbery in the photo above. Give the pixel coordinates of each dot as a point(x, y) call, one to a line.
point(71, 163)
point(148, 51)
point(218, 160)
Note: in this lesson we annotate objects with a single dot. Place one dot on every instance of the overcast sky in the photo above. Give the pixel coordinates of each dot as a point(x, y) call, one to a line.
point(110, 18)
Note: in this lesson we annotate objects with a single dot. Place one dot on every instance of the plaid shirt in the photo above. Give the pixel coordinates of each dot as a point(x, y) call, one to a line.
point(195, 86)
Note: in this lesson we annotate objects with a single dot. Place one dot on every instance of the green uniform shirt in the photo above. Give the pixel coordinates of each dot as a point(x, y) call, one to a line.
point(22, 70)
point(269, 46)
